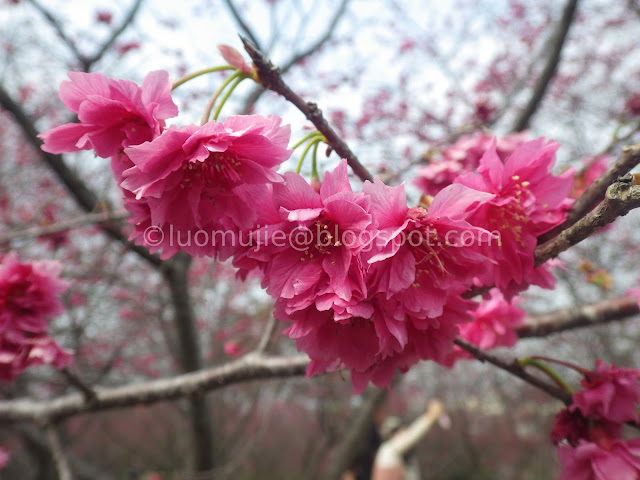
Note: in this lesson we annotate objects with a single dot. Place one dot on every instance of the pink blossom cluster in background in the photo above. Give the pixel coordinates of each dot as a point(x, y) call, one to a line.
point(28, 300)
point(588, 433)
point(364, 281)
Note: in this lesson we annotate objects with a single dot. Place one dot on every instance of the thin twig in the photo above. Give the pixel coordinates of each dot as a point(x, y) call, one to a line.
point(128, 20)
point(550, 68)
point(265, 339)
point(513, 368)
point(253, 97)
point(77, 382)
point(83, 221)
point(59, 458)
point(270, 78)
point(57, 26)
point(248, 31)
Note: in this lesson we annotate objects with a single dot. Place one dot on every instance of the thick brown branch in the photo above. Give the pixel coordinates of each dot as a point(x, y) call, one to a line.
point(579, 317)
point(629, 158)
point(514, 369)
point(190, 357)
point(620, 198)
point(271, 78)
point(541, 87)
point(251, 367)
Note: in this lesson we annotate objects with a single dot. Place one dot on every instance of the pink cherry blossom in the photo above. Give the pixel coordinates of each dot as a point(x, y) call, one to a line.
point(361, 344)
point(317, 262)
point(589, 461)
point(463, 157)
point(188, 180)
point(609, 393)
point(571, 425)
point(28, 296)
point(16, 356)
point(419, 254)
point(113, 114)
point(494, 324)
point(28, 299)
point(528, 202)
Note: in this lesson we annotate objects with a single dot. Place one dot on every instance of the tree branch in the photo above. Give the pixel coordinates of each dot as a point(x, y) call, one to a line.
point(581, 316)
point(270, 77)
point(265, 339)
point(190, 357)
point(248, 31)
point(514, 369)
point(80, 384)
point(250, 367)
point(629, 158)
point(84, 197)
point(255, 94)
point(620, 198)
point(560, 35)
point(128, 20)
point(57, 26)
point(85, 220)
point(347, 448)
point(59, 458)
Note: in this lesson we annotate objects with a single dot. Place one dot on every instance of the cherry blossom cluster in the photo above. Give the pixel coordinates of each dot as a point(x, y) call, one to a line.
point(363, 280)
point(588, 433)
point(28, 300)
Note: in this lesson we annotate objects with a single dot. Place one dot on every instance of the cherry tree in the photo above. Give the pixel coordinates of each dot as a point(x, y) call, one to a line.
point(393, 199)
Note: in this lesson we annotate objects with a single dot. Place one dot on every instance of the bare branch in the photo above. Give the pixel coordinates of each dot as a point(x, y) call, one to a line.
point(629, 158)
point(128, 20)
point(271, 78)
point(347, 448)
point(80, 384)
point(55, 23)
point(247, 30)
point(265, 339)
point(513, 368)
point(620, 198)
point(85, 198)
point(59, 458)
point(190, 357)
point(253, 97)
point(250, 367)
point(85, 220)
point(560, 35)
point(581, 316)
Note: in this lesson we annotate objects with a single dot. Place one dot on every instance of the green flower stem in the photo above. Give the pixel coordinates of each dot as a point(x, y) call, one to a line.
point(214, 97)
point(226, 96)
point(308, 136)
point(193, 75)
point(526, 362)
point(314, 161)
point(313, 142)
